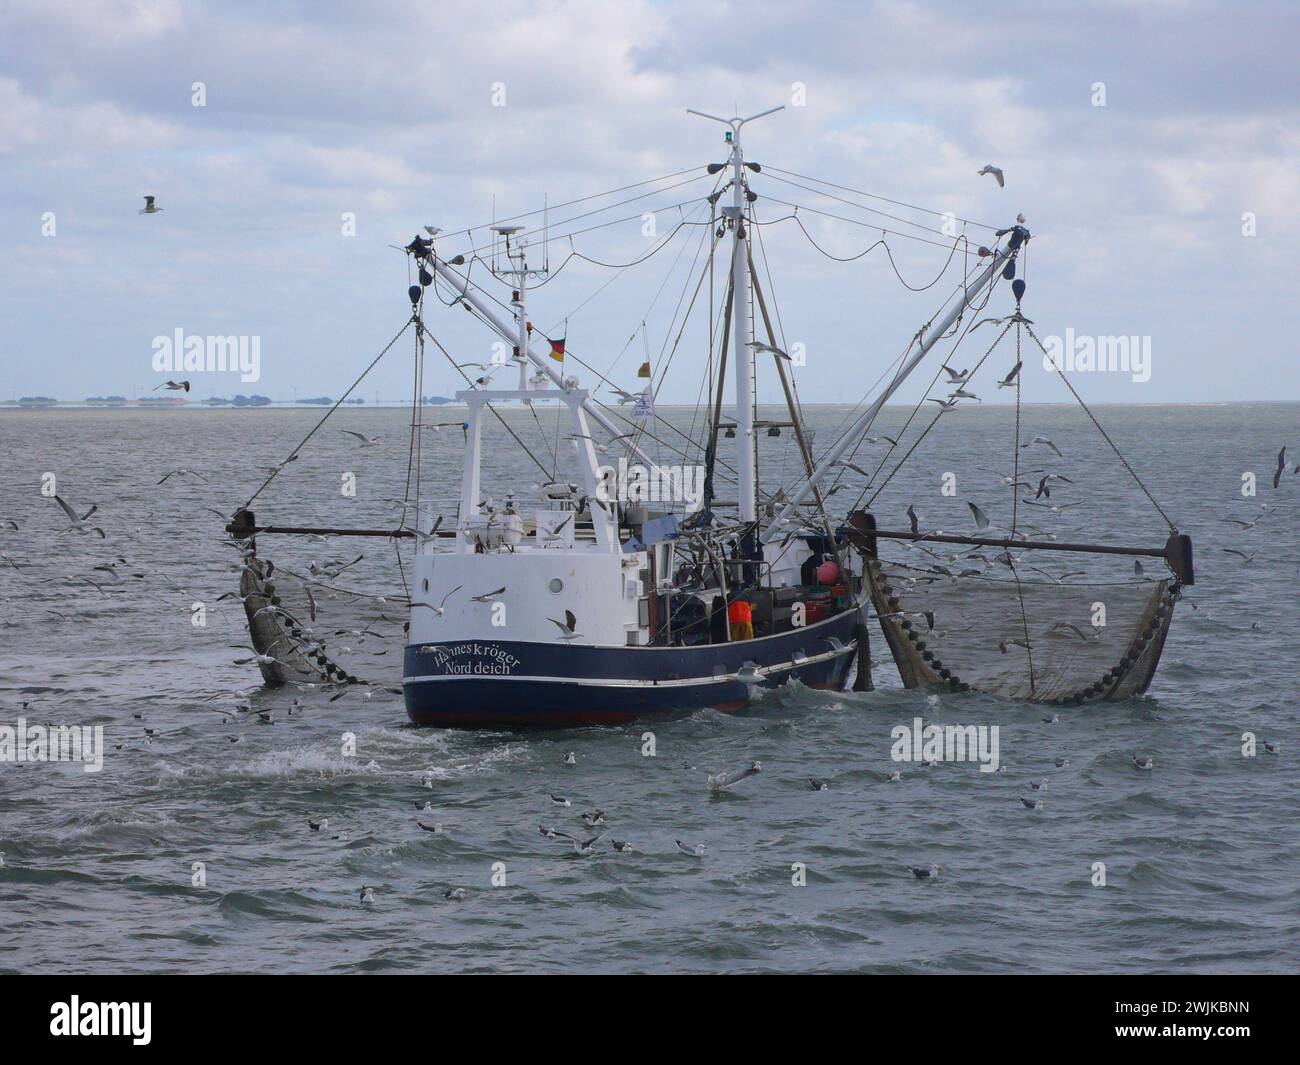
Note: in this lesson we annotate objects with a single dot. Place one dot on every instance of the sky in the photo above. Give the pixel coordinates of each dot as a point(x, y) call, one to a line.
point(1153, 147)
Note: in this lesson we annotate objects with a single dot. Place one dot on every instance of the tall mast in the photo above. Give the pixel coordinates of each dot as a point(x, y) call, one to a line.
point(517, 270)
point(746, 474)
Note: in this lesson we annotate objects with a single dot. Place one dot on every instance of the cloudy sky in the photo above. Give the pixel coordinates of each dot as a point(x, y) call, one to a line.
point(387, 111)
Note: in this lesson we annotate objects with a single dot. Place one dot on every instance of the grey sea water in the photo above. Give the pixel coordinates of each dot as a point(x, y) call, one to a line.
point(1200, 853)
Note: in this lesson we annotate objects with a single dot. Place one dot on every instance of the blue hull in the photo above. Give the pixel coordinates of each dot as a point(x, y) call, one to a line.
point(505, 684)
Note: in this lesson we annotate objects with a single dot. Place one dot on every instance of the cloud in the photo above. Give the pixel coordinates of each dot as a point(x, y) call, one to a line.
point(386, 111)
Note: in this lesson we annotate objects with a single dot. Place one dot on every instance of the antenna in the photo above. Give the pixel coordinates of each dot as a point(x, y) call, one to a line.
point(737, 122)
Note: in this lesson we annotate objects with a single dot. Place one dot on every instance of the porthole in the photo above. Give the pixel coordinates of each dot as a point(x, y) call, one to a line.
point(556, 585)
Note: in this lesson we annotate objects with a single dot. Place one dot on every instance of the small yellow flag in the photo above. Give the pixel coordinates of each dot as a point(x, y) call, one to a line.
point(644, 371)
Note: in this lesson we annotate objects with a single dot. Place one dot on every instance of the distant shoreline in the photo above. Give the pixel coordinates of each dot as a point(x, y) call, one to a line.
point(187, 405)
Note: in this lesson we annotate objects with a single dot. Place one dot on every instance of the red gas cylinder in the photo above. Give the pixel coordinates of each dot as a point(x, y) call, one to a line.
point(828, 573)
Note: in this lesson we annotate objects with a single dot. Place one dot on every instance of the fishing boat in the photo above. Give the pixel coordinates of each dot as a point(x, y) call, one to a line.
point(626, 586)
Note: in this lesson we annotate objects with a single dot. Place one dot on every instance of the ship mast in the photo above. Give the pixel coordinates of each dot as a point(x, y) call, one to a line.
point(746, 459)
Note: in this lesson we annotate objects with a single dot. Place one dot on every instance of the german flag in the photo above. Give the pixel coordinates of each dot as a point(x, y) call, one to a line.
point(644, 371)
point(557, 349)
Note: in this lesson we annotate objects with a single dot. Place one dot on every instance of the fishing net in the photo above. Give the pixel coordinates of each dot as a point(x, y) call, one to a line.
point(1021, 639)
point(316, 629)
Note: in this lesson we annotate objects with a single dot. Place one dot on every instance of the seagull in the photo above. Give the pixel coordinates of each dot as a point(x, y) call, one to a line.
point(1245, 557)
point(279, 465)
point(925, 872)
point(981, 519)
point(818, 785)
point(916, 522)
point(1005, 645)
point(173, 386)
point(996, 171)
point(366, 441)
point(441, 608)
point(487, 597)
point(961, 393)
point(567, 627)
point(624, 396)
point(956, 377)
point(758, 345)
point(1061, 763)
point(79, 523)
point(183, 473)
point(457, 894)
point(1272, 748)
point(1055, 508)
point(570, 758)
point(594, 818)
point(317, 823)
point(435, 827)
point(1033, 804)
point(1144, 762)
point(1138, 571)
point(1243, 523)
point(1281, 467)
point(695, 851)
point(620, 845)
point(1038, 785)
point(945, 405)
point(1043, 490)
point(367, 895)
point(896, 775)
point(554, 534)
point(727, 778)
point(1010, 380)
point(1043, 440)
point(1061, 628)
point(149, 206)
point(560, 800)
point(433, 231)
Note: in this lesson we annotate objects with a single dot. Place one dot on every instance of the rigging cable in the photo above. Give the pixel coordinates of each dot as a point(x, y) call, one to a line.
point(275, 472)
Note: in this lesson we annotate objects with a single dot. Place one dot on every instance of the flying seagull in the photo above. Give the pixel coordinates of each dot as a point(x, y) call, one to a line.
point(1281, 467)
point(981, 519)
point(758, 345)
point(182, 473)
point(441, 608)
point(1043, 440)
point(567, 627)
point(173, 386)
point(956, 377)
point(149, 206)
point(916, 522)
point(487, 597)
point(366, 441)
point(79, 523)
point(1010, 379)
point(996, 171)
